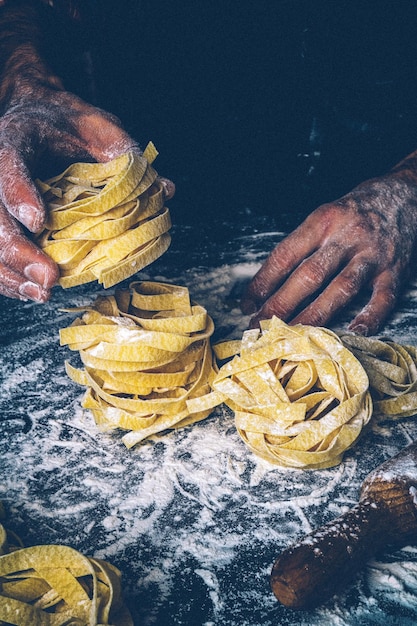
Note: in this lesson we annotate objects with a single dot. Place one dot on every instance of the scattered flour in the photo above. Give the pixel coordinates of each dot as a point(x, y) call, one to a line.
point(192, 518)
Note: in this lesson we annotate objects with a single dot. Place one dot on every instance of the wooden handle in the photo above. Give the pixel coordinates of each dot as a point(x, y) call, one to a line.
point(312, 569)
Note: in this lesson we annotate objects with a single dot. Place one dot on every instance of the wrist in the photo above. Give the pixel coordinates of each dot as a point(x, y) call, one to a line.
point(25, 74)
point(32, 57)
point(22, 68)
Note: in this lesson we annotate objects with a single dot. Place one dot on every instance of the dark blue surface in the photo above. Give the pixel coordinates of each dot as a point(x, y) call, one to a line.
point(191, 517)
point(276, 105)
point(260, 111)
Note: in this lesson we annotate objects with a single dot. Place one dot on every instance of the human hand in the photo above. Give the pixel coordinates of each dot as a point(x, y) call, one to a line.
point(364, 239)
point(46, 126)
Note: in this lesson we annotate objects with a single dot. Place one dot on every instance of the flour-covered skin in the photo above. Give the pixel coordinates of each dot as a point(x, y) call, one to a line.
point(40, 122)
point(363, 240)
point(64, 126)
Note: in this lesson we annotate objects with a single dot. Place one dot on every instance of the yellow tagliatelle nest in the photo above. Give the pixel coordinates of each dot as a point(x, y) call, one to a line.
point(106, 221)
point(299, 396)
point(145, 351)
point(52, 585)
point(392, 373)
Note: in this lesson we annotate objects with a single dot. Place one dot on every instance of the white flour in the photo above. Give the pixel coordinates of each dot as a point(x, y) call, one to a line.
point(192, 517)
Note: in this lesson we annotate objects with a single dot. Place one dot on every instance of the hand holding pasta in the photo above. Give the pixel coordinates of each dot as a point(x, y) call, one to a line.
point(40, 123)
point(54, 125)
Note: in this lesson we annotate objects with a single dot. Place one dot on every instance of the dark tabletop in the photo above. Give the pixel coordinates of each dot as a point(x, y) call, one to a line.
point(192, 518)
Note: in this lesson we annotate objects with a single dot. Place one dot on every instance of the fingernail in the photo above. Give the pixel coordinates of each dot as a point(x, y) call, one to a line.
point(32, 291)
point(360, 329)
point(169, 187)
point(37, 273)
point(30, 216)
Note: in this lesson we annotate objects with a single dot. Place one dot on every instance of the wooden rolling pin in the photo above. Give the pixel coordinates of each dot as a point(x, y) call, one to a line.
point(310, 571)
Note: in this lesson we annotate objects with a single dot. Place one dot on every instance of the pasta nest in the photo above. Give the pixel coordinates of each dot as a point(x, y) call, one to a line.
point(145, 350)
point(54, 584)
point(300, 398)
point(106, 221)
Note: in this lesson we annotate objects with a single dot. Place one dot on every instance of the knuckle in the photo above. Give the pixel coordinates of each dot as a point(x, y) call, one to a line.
point(387, 299)
point(257, 290)
point(351, 284)
point(9, 250)
point(314, 316)
point(9, 282)
point(313, 273)
point(274, 306)
point(319, 318)
point(278, 264)
point(262, 283)
point(354, 276)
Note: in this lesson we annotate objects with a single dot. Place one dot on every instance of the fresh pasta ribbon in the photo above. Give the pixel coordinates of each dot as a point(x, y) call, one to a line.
point(392, 373)
point(106, 221)
point(145, 351)
point(54, 585)
point(300, 398)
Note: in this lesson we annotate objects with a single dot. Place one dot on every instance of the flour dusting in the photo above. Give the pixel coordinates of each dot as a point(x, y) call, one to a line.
point(192, 518)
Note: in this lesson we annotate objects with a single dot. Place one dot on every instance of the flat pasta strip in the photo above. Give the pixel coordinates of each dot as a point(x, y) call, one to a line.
point(300, 397)
point(146, 351)
point(106, 221)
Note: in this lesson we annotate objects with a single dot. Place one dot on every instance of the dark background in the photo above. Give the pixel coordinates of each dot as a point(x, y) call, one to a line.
point(272, 106)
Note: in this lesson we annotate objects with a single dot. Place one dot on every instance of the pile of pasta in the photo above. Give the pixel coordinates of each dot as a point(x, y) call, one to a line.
point(54, 584)
point(301, 395)
point(300, 398)
point(106, 221)
point(146, 351)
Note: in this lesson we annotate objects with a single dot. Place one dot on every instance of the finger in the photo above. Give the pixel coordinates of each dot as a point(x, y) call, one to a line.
point(106, 140)
point(81, 131)
point(18, 192)
point(23, 258)
point(385, 293)
point(338, 294)
point(103, 138)
point(114, 143)
point(304, 282)
point(285, 257)
point(169, 187)
point(13, 285)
